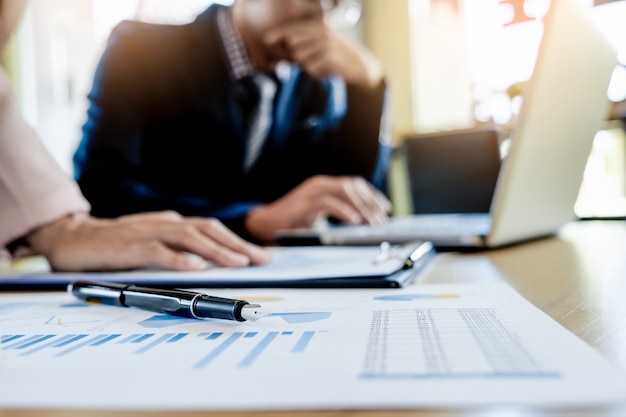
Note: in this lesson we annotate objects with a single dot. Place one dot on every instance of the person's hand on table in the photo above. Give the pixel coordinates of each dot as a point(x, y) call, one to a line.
point(162, 240)
point(350, 200)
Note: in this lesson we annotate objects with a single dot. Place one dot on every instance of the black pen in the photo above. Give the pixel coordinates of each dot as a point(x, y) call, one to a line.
point(170, 301)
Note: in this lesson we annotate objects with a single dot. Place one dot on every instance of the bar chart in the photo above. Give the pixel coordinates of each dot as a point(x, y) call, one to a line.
point(420, 347)
point(249, 346)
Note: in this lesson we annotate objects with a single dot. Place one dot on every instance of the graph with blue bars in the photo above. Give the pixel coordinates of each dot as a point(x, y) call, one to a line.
point(34, 330)
point(216, 344)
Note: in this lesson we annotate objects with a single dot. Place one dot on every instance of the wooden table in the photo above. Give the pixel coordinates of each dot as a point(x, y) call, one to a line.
point(577, 277)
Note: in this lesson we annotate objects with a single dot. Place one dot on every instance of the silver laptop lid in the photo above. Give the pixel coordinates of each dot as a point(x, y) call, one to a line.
point(565, 103)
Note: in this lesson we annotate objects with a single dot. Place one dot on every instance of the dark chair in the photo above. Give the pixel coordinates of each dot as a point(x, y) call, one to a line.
point(452, 171)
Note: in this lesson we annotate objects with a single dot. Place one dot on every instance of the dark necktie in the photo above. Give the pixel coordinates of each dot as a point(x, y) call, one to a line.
point(260, 119)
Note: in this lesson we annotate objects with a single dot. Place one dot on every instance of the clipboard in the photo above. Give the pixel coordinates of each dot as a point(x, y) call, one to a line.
point(384, 266)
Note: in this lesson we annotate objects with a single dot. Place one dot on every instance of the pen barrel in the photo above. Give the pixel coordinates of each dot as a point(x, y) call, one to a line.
point(183, 303)
point(94, 292)
point(170, 301)
point(175, 302)
point(206, 306)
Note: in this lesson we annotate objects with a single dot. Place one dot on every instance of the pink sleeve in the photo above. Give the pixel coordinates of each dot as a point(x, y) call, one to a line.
point(34, 190)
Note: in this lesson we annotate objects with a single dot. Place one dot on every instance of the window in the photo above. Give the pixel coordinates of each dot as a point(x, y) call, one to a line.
point(503, 39)
point(494, 74)
point(56, 49)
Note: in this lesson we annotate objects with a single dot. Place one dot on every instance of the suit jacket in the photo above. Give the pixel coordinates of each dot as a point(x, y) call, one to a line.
point(166, 128)
point(34, 190)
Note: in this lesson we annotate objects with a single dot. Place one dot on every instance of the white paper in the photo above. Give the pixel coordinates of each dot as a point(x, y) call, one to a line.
point(287, 264)
point(425, 346)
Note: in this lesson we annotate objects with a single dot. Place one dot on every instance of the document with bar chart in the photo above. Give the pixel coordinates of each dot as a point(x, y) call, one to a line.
point(424, 346)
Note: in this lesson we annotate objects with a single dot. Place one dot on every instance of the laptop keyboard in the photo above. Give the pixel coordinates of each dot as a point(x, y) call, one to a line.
point(425, 225)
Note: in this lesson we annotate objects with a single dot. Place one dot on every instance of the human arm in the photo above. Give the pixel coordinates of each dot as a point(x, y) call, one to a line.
point(362, 140)
point(358, 148)
point(80, 242)
point(33, 189)
point(348, 199)
point(323, 51)
point(40, 203)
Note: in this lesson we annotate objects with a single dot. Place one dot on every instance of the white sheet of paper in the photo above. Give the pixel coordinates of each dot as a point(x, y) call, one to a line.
point(287, 264)
point(422, 346)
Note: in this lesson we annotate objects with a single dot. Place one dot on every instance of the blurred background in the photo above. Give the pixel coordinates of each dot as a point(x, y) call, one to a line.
point(451, 64)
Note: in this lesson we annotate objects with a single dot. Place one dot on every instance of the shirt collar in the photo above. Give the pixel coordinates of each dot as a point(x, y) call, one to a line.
point(239, 62)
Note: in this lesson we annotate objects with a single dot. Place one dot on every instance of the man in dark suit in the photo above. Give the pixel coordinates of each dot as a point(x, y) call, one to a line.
point(177, 121)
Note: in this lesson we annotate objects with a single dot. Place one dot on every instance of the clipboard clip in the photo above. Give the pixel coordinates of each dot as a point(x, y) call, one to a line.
point(384, 254)
point(387, 252)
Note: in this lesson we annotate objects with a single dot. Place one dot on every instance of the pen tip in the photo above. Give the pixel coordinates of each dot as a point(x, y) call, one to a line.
point(253, 312)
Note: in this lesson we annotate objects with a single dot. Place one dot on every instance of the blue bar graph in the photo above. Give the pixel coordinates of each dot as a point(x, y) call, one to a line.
point(70, 340)
point(87, 342)
point(22, 342)
point(256, 352)
point(129, 339)
point(177, 337)
point(9, 338)
point(54, 342)
point(143, 337)
point(243, 349)
point(303, 342)
point(34, 342)
point(155, 342)
point(218, 350)
point(106, 339)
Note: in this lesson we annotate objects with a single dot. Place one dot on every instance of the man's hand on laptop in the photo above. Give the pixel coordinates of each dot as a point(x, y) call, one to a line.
point(350, 200)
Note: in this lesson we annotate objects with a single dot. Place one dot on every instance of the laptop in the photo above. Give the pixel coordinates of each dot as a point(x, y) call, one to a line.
point(565, 103)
